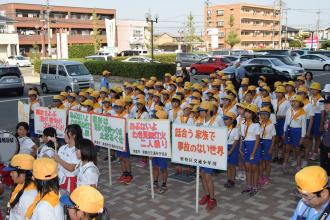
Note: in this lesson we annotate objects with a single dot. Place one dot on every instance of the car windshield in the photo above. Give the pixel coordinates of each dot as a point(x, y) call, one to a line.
point(21, 58)
point(230, 69)
point(9, 71)
point(77, 70)
point(277, 62)
point(232, 58)
point(287, 60)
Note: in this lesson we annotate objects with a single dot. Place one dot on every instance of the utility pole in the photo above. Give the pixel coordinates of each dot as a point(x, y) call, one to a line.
point(151, 20)
point(281, 15)
point(286, 28)
point(48, 29)
point(208, 16)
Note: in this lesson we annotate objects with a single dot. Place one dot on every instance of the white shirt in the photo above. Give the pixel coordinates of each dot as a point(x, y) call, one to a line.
point(44, 211)
point(308, 108)
point(267, 133)
point(318, 106)
point(19, 210)
point(171, 115)
point(87, 174)
point(144, 115)
point(273, 118)
point(252, 132)
point(257, 101)
point(233, 135)
point(45, 151)
point(26, 145)
point(189, 122)
point(282, 108)
point(68, 154)
point(300, 122)
point(33, 108)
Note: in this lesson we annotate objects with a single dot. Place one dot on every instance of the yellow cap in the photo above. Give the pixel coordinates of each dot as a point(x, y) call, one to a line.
point(180, 91)
point(232, 90)
point(187, 87)
point(197, 87)
point(156, 93)
point(224, 78)
point(64, 94)
point(104, 89)
point(232, 115)
point(105, 72)
point(158, 108)
point(297, 98)
point(311, 179)
point(168, 74)
point(195, 102)
point(277, 83)
point(88, 199)
point(195, 108)
point(280, 89)
point(151, 91)
point(107, 100)
point(165, 92)
point(95, 94)
point(187, 83)
point(216, 83)
point(302, 78)
point(22, 162)
point(266, 99)
point(89, 90)
point(229, 97)
point(205, 80)
point(84, 94)
point(158, 83)
point(205, 105)
point(58, 97)
point(150, 83)
point(140, 96)
point(88, 103)
point(220, 73)
point(161, 114)
point(263, 78)
point(251, 107)
point(179, 80)
point(141, 101)
point(196, 94)
point(315, 86)
point(173, 78)
point(176, 97)
point(241, 105)
point(266, 88)
point(290, 83)
point(252, 88)
point(245, 81)
point(32, 92)
point(153, 78)
point(303, 89)
point(142, 79)
point(140, 87)
point(44, 169)
point(116, 89)
point(119, 102)
point(212, 76)
point(228, 82)
point(265, 109)
point(72, 94)
point(128, 99)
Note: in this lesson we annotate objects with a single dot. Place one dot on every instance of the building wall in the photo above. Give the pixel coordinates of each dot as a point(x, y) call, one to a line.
point(132, 35)
point(165, 39)
point(254, 25)
point(76, 20)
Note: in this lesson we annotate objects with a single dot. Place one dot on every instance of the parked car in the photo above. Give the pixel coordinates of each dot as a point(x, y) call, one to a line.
point(253, 71)
point(314, 61)
point(19, 61)
point(139, 60)
point(278, 52)
point(322, 52)
point(285, 59)
point(185, 60)
point(99, 57)
point(295, 53)
point(11, 79)
point(126, 53)
point(277, 64)
point(59, 75)
point(232, 59)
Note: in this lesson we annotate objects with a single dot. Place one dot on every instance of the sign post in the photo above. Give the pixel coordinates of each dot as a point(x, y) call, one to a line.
point(197, 188)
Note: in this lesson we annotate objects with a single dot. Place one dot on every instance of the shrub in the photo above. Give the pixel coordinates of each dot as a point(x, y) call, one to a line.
point(165, 58)
point(132, 70)
point(36, 65)
point(81, 51)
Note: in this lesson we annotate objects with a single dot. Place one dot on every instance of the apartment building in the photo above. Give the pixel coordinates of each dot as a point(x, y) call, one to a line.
point(8, 39)
point(76, 21)
point(257, 26)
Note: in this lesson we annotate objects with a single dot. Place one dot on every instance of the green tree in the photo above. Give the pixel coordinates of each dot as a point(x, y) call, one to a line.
point(96, 32)
point(190, 32)
point(325, 44)
point(232, 38)
point(296, 44)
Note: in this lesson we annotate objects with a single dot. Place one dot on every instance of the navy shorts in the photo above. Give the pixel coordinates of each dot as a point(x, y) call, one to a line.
point(293, 136)
point(265, 146)
point(160, 162)
point(316, 125)
point(124, 154)
point(279, 126)
point(248, 149)
point(207, 170)
point(233, 157)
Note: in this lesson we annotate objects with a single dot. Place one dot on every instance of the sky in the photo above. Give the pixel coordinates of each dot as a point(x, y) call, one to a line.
point(172, 13)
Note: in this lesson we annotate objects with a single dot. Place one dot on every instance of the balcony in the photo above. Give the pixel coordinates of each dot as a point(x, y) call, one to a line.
point(258, 16)
point(258, 38)
point(72, 39)
point(8, 38)
point(260, 27)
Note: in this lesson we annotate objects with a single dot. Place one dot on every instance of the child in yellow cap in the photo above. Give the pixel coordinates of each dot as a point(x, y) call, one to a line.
point(46, 204)
point(25, 190)
point(33, 104)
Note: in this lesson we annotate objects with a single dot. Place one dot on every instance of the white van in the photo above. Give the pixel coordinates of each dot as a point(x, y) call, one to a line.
point(64, 75)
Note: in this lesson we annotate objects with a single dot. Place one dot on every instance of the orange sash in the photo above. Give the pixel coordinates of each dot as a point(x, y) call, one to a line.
point(316, 98)
point(18, 188)
point(52, 198)
point(296, 115)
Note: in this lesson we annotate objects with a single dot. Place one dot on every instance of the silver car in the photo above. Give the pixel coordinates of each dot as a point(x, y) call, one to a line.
point(63, 75)
point(278, 65)
point(314, 61)
point(11, 79)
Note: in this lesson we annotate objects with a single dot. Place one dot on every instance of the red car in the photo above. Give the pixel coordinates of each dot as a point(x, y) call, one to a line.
point(209, 65)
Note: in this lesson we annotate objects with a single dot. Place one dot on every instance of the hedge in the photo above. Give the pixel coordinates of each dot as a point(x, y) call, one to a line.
point(81, 51)
point(165, 58)
point(132, 70)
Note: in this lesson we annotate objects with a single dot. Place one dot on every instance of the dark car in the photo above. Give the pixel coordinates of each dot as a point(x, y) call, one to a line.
point(11, 79)
point(126, 53)
point(253, 71)
point(185, 60)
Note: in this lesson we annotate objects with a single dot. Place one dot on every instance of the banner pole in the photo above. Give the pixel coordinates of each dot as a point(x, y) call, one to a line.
point(151, 179)
point(197, 188)
point(109, 163)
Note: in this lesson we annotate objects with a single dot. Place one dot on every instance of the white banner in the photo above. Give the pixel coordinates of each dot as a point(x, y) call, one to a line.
point(109, 132)
point(110, 28)
point(214, 34)
point(149, 137)
point(200, 146)
point(84, 120)
point(50, 117)
point(23, 112)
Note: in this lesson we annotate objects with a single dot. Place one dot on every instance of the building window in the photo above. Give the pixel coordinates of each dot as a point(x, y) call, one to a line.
point(221, 34)
point(137, 33)
point(220, 12)
point(220, 23)
point(209, 13)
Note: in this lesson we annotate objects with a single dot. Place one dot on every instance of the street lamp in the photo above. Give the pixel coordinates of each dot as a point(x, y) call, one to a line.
point(151, 20)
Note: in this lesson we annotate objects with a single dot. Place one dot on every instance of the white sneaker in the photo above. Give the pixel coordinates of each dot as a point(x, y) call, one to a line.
point(238, 175)
point(243, 176)
point(304, 163)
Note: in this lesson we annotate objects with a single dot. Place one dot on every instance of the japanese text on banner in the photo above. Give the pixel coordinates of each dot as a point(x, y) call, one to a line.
point(200, 146)
point(109, 132)
point(46, 117)
point(82, 119)
point(149, 137)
